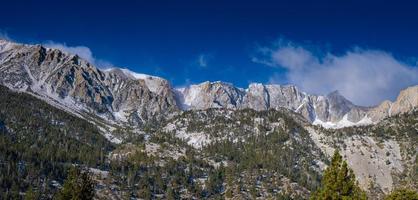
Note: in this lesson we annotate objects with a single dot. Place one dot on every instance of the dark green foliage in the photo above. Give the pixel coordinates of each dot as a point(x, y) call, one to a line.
point(338, 182)
point(215, 181)
point(77, 186)
point(401, 128)
point(38, 142)
point(151, 179)
point(288, 151)
point(170, 194)
point(30, 194)
point(229, 179)
point(403, 194)
point(256, 158)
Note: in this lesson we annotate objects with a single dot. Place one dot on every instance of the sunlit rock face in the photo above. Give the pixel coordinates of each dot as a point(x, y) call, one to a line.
point(70, 80)
point(120, 95)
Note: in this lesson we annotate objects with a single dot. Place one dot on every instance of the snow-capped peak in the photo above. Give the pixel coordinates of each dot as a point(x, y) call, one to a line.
point(5, 45)
point(137, 75)
point(153, 83)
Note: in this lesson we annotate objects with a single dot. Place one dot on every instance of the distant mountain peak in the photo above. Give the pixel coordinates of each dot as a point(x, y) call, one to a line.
point(334, 93)
point(122, 95)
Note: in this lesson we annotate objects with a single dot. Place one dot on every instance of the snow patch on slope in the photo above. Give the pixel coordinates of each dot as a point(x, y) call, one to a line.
point(6, 45)
point(195, 139)
point(192, 94)
point(120, 115)
point(179, 94)
point(135, 75)
point(112, 138)
point(153, 83)
point(188, 96)
point(344, 122)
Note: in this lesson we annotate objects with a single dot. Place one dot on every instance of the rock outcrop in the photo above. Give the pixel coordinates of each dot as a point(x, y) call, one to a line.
point(116, 95)
point(120, 95)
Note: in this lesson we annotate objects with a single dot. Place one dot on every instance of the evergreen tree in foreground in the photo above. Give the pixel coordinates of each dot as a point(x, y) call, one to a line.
point(402, 194)
point(77, 186)
point(338, 182)
point(30, 194)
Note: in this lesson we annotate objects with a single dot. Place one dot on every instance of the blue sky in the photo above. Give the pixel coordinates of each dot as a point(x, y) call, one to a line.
point(236, 41)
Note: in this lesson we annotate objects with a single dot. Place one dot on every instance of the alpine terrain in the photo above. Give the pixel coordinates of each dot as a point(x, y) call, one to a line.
point(138, 137)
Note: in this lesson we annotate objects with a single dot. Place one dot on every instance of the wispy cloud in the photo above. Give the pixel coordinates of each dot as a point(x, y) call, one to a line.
point(203, 60)
point(365, 76)
point(4, 35)
point(82, 51)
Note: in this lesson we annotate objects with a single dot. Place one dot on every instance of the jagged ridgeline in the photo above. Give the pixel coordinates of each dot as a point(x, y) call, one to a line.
point(38, 142)
point(141, 138)
point(119, 96)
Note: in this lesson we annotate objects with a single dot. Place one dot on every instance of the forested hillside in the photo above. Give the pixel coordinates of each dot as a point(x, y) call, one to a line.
point(204, 154)
point(39, 142)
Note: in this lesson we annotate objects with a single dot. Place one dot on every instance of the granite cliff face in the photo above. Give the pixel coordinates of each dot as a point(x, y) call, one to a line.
point(138, 99)
point(320, 109)
point(330, 111)
point(117, 95)
point(122, 96)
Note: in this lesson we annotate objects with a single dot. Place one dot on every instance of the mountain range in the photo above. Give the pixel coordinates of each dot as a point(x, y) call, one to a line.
point(122, 96)
point(137, 133)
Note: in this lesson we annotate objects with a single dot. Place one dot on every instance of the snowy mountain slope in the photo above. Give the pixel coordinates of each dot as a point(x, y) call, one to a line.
point(382, 155)
point(220, 123)
point(120, 96)
point(257, 96)
point(330, 111)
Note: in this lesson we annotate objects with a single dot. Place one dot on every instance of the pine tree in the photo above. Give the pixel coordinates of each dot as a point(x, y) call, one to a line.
point(15, 191)
point(402, 194)
point(145, 192)
point(253, 191)
point(30, 194)
point(170, 194)
point(144, 185)
point(77, 186)
point(338, 182)
point(215, 180)
point(229, 176)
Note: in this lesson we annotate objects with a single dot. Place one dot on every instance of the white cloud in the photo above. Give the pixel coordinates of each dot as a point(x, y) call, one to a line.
point(4, 35)
point(82, 51)
point(203, 60)
point(363, 76)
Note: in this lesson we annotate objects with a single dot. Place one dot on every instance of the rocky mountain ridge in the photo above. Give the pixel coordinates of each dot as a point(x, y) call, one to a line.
point(330, 111)
point(115, 95)
point(124, 97)
point(264, 127)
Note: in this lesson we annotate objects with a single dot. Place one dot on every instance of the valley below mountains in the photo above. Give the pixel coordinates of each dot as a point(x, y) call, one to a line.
point(141, 138)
